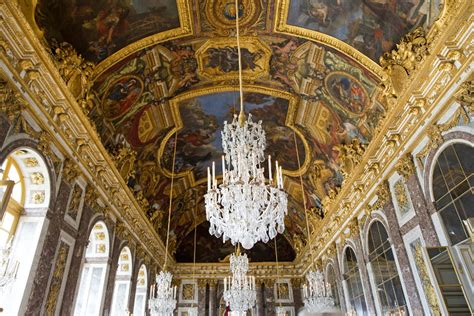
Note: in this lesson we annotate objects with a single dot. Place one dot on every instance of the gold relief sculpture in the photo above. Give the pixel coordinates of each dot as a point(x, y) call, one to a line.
point(383, 196)
point(124, 157)
point(37, 178)
point(417, 250)
point(465, 95)
point(405, 166)
point(70, 170)
point(57, 278)
point(188, 291)
point(38, 197)
point(11, 102)
point(73, 208)
point(76, 73)
point(142, 201)
point(330, 198)
point(318, 174)
point(91, 196)
point(400, 63)
point(401, 196)
point(298, 243)
point(349, 156)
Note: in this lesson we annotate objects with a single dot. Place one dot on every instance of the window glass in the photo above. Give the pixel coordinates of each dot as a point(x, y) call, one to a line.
point(452, 189)
point(354, 283)
point(92, 284)
point(387, 282)
point(331, 279)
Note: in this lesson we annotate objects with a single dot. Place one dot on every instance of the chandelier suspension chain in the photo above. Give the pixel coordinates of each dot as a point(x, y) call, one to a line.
point(278, 270)
point(171, 200)
point(304, 200)
point(237, 31)
point(195, 231)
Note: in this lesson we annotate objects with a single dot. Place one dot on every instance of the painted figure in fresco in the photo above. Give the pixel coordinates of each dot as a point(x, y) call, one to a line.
point(372, 26)
point(121, 96)
point(349, 93)
point(226, 59)
point(98, 28)
point(229, 10)
point(183, 67)
point(281, 66)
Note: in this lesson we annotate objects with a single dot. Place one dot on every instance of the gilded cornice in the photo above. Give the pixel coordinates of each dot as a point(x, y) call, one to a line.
point(417, 106)
point(55, 109)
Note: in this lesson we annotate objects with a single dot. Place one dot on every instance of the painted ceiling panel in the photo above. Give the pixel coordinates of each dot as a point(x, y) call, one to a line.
point(309, 74)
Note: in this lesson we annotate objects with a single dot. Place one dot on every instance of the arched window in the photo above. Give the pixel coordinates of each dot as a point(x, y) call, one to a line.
point(140, 293)
point(91, 287)
point(331, 279)
point(353, 282)
point(122, 283)
point(388, 286)
point(25, 207)
point(452, 189)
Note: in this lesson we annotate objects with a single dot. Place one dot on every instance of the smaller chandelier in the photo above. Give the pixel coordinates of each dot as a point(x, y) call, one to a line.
point(317, 293)
point(162, 300)
point(239, 290)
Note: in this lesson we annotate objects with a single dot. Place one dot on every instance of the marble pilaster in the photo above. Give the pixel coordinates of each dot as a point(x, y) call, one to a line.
point(402, 256)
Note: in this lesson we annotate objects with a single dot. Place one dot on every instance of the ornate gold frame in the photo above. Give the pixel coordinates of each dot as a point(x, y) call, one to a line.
point(290, 119)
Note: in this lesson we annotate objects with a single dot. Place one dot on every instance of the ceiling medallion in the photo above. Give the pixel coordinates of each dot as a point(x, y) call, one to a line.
point(222, 13)
point(244, 207)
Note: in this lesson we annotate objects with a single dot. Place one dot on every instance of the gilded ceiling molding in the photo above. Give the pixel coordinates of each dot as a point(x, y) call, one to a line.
point(418, 105)
point(55, 109)
point(281, 26)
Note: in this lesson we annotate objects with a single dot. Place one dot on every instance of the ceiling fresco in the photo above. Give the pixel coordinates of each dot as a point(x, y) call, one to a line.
point(98, 28)
point(371, 26)
point(312, 97)
point(213, 250)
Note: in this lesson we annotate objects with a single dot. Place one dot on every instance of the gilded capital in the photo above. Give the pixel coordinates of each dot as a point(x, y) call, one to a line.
point(405, 166)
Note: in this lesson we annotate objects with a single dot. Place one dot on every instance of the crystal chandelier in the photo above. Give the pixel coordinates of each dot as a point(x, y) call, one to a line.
point(244, 208)
point(239, 290)
point(162, 295)
point(317, 293)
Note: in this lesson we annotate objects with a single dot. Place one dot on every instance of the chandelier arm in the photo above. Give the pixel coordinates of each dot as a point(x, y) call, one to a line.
point(171, 200)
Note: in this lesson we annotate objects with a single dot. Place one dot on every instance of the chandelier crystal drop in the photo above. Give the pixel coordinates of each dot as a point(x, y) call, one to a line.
point(317, 293)
point(244, 207)
point(239, 289)
point(162, 300)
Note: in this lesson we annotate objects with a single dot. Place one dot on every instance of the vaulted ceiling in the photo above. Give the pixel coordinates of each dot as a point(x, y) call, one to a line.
point(166, 71)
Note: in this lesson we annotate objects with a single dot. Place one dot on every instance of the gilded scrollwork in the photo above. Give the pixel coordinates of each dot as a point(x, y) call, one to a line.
point(350, 155)
point(405, 166)
point(400, 63)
